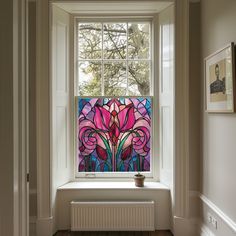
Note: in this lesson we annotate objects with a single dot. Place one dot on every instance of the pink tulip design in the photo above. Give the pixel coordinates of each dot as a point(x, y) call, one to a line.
point(114, 134)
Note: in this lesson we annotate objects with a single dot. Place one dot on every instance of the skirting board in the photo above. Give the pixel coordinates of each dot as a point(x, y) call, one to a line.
point(219, 212)
point(186, 227)
point(205, 231)
point(44, 226)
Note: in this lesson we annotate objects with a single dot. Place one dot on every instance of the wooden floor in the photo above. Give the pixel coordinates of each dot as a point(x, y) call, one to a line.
point(156, 233)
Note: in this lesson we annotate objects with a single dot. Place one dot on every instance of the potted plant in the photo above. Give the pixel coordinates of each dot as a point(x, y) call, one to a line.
point(139, 180)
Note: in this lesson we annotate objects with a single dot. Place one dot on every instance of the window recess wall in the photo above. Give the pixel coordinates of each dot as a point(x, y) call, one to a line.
point(62, 105)
point(61, 136)
point(166, 83)
point(181, 96)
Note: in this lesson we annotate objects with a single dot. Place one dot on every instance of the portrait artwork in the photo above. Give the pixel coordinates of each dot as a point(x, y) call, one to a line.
point(219, 80)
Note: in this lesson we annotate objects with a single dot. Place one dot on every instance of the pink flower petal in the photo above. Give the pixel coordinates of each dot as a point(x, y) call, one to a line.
point(101, 118)
point(114, 133)
point(126, 118)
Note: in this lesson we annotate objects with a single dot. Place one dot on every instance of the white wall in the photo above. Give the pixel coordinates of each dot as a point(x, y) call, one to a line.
point(13, 117)
point(6, 118)
point(219, 130)
point(32, 110)
point(194, 106)
point(32, 117)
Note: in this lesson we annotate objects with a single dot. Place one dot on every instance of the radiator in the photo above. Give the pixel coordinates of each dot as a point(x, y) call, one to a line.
point(112, 216)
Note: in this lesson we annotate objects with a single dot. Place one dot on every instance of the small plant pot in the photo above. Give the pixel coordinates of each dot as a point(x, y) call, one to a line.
point(139, 180)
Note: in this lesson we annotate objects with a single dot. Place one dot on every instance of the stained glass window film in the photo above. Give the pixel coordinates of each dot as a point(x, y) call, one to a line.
point(113, 134)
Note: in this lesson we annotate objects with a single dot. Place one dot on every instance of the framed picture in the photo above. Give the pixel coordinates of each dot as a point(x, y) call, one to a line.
point(220, 81)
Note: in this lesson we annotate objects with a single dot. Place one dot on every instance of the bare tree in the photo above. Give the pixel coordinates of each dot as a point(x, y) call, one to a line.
point(121, 43)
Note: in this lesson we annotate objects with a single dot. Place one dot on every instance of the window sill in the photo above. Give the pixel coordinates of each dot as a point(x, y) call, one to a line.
point(112, 186)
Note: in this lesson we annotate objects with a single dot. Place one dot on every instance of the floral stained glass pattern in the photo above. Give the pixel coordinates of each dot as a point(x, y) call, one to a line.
point(114, 134)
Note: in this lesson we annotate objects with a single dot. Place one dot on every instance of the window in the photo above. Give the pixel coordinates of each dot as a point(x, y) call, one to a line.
point(114, 96)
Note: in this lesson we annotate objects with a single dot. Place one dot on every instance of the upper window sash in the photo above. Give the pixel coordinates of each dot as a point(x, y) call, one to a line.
point(130, 70)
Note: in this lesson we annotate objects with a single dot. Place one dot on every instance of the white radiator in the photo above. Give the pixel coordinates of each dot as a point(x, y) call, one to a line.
point(112, 216)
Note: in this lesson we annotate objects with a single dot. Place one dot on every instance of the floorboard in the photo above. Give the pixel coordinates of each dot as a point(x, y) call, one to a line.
point(156, 233)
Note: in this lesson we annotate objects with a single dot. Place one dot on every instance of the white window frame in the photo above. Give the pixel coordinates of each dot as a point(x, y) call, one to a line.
point(153, 174)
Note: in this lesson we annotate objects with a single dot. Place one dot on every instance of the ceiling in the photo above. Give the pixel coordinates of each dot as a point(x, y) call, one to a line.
point(113, 7)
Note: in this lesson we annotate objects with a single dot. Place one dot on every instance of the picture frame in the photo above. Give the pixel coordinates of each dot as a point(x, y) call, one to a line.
point(220, 81)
